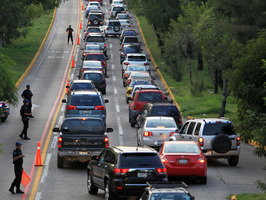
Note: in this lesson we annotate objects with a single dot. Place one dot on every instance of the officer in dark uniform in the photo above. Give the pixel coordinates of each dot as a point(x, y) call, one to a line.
point(17, 161)
point(25, 114)
point(27, 94)
point(69, 31)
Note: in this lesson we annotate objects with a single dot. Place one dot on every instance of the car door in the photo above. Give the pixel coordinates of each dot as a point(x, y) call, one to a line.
point(109, 162)
point(183, 131)
point(98, 170)
point(188, 135)
point(195, 135)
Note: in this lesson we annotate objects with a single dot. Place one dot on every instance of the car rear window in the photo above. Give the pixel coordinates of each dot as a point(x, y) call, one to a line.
point(129, 33)
point(95, 16)
point(82, 86)
point(95, 39)
point(137, 58)
point(164, 110)
point(140, 160)
point(85, 100)
point(136, 68)
point(131, 40)
point(215, 128)
point(181, 148)
point(139, 75)
point(147, 96)
point(161, 123)
point(95, 48)
point(140, 83)
point(99, 57)
point(170, 196)
point(83, 126)
point(97, 64)
point(114, 24)
point(93, 76)
point(118, 9)
point(132, 49)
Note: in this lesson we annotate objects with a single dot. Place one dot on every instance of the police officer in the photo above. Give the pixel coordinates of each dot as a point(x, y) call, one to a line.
point(27, 95)
point(69, 31)
point(17, 161)
point(25, 114)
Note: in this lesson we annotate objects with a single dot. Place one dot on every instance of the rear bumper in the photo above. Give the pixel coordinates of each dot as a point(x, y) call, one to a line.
point(154, 143)
point(211, 153)
point(80, 156)
point(197, 170)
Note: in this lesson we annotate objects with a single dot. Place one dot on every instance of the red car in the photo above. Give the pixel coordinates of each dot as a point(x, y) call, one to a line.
point(184, 158)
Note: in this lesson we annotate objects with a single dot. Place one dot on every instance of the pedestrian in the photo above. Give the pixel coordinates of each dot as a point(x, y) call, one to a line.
point(25, 114)
point(17, 161)
point(69, 31)
point(27, 95)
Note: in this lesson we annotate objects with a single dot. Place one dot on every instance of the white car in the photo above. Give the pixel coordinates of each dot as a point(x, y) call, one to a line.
point(122, 16)
point(95, 3)
point(125, 23)
point(136, 58)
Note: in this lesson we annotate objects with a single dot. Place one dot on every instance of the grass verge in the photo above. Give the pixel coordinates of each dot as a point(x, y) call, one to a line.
point(205, 104)
point(23, 50)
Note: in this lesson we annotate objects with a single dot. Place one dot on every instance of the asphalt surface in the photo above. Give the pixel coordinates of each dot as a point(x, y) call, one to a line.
point(70, 183)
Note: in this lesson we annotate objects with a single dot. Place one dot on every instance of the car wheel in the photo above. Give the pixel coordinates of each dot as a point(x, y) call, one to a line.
point(132, 124)
point(116, 28)
point(92, 189)
point(203, 180)
point(3, 119)
point(221, 143)
point(233, 160)
point(60, 162)
point(95, 22)
point(109, 195)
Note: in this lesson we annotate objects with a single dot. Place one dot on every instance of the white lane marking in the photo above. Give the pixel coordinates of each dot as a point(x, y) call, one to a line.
point(112, 56)
point(115, 90)
point(45, 171)
point(60, 121)
point(111, 46)
point(54, 142)
point(120, 129)
point(113, 66)
point(38, 195)
point(63, 108)
point(71, 77)
point(114, 79)
point(106, 10)
point(117, 108)
point(48, 158)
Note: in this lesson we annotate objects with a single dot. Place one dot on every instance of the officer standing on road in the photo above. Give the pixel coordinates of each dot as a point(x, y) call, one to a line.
point(17, 161)
point(25, 114)
point(69, 31)
point(27, 95)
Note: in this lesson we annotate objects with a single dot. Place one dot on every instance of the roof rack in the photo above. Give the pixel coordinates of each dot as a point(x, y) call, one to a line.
point(167, 184)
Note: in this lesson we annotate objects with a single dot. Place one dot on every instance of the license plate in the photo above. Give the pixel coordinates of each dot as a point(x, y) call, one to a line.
point(142, 175)
point(87, 112)
point(182, 161)
point(83, 153)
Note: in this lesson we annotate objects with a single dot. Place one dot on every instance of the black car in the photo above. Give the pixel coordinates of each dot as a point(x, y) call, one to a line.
point(98, 79)
point(167, 191)
point(166, 108)
point(95, 19)
point(127, 33)
point(124, 171)
point(129, 49)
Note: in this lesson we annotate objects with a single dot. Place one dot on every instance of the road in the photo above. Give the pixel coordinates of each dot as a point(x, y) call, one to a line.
point(47, 78)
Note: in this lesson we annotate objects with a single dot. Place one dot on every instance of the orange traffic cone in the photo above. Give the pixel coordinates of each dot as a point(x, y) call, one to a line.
point(68, 86)
point(38, 156)
point(82, 7)
point(73, 63)
point(80, 25)
point(78, 40)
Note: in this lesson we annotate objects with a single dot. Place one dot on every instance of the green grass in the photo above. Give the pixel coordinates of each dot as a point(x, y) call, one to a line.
point(23, 50)
point(205, 104)
point(259, 196)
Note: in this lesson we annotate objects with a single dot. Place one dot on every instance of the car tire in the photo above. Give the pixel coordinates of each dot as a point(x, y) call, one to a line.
point(95, 22)
point(60, 162)
point(116, 29)
point(221, 143)
point(132, 124)
point(92, 189)
point(233, 160)
point(203, 180)
point(108, 193)
point(3, 119)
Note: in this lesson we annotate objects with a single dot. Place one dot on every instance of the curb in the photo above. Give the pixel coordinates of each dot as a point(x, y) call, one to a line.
point(23, 76)
point(233, 197)
point(168, 90)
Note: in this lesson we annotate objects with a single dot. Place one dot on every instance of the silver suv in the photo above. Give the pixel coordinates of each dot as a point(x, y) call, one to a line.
point(216, 137)
point(113, 28)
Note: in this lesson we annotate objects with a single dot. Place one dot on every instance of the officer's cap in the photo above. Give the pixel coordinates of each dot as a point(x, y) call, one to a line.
point(18, 143)
point(26, 101)
point(28, 86)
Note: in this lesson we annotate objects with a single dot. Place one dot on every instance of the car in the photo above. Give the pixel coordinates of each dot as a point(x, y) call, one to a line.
point(80, 138)
point(216, 137)
point(92, 29)
point(155, 130)
point(80, 85)
point(115, 10)
point(166, 191)
point(4, 111)
point(100, 1)
point(128, 48)
point(86, 104)
point(184, 158)
point(98, 79)
point(122, 16)
point(90, 8)
point(125, 23)
point(130, 69)
point(140, 98)
point(127, 33)
point(124, 171)
point(96, 39)
point(136, 58)
point(117, 3)
point(95, 19)
point(131, 40)
point(144, 75)
point(164, 108)
point(95, 3)
point(90, 48)
point(113, 28)
point(91, 65)
point(140, 87)
point(97, 55)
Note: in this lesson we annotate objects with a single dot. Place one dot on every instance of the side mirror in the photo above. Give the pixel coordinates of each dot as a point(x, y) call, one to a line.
point(106, 101)
point(109, 130)
point(94, 158)
point(120, 49)
point(149, 60)
point(129, 98)
point(56, 130)
point(67, 86)
point(63, 100)
point(105, 38)
point(106, 58)
point(106, 76)
point(79, 76)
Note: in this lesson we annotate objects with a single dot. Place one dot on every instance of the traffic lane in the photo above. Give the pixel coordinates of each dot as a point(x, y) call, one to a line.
point(44, 79)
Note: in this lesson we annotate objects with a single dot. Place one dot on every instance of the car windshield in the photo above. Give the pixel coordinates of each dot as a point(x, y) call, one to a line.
point(161, 123)
point(137, 58)
point(83, 126)
point(164, 110)
point(170, 196)
point(129, 33)
point(99, 57)
point(131, 40)
point(132, 49)
point(85, 100)
point(139, 83)
point(136, 68)
point(82, 86)
point(95, 39)
point(140, 160)
point(181, 148)
point(150, 96)
point(92, 76)
point(214, 128)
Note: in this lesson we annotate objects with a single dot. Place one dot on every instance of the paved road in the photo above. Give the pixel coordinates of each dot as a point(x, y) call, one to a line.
point(70, 183)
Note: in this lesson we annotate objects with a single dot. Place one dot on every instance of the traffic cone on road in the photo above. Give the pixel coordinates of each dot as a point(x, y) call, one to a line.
point(78, 40)
point(73, 63)
point(67, 85)
point(80, 25)
point(82, 7)
point(38, 156)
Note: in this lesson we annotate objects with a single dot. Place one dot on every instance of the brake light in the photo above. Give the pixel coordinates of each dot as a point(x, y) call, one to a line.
point(99, 108)
point(122, 46)
point(201, 140)
point(129, 25)
point(129, 91)
point(164, 160)
point(119, 171)
point(104, 63)
point(126, 75)
point(89, 22)
point(101, 22)
point(171, 134)
point(85, 44)
point(126, 63)
point(238, 141)
point(147, 134)
point(83, 70)
point(69, 107)
point(161, 171)
point(60, 142)
point(180, 121)
point(123, 54)
point(84, 54)
point(128, 81)
point(107, 28)
point(201, 160)
point(146, 64)
point(104, 45)
point(106, 142)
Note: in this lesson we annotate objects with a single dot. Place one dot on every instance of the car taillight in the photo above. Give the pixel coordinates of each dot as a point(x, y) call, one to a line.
point(147, 134)
point(104, 63)
point(161, 171)
point(99, 108)
point(69, 107)
point(85, 44)
point(111, 13)
point(126, 75)
point(129, 25)
point(89, 22)
point(123, 54)
point(60, 142)
point(83, 70)
point(164, 160)
point(180, 121)
point(101, 22)
point(238, 141)
point(122, 46)
point(146, 64)
point(107, 28)
point(84, 54)
point(104, 45)
point(106, 142)
point(129, 91)
point(171, 134)
point(201, 141)
point(201, 160)
point(119, 171)
point(126, 63)
point(128, 81)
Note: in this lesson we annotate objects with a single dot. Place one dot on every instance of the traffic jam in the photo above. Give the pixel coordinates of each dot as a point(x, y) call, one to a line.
point(168, 148)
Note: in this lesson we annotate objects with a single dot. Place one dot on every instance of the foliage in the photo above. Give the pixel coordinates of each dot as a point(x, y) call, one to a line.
point(262, 184)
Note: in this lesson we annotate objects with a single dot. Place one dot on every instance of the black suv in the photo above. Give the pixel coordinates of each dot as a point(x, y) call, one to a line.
point(98, 79)
point(166, 108)
point(124, 171)
point(95, 19)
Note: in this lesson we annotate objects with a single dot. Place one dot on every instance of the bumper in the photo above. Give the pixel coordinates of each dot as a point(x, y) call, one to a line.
point(212, 153)
point(155, 142)
point(112, 33)
point(199, 170)
point(80, 156)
